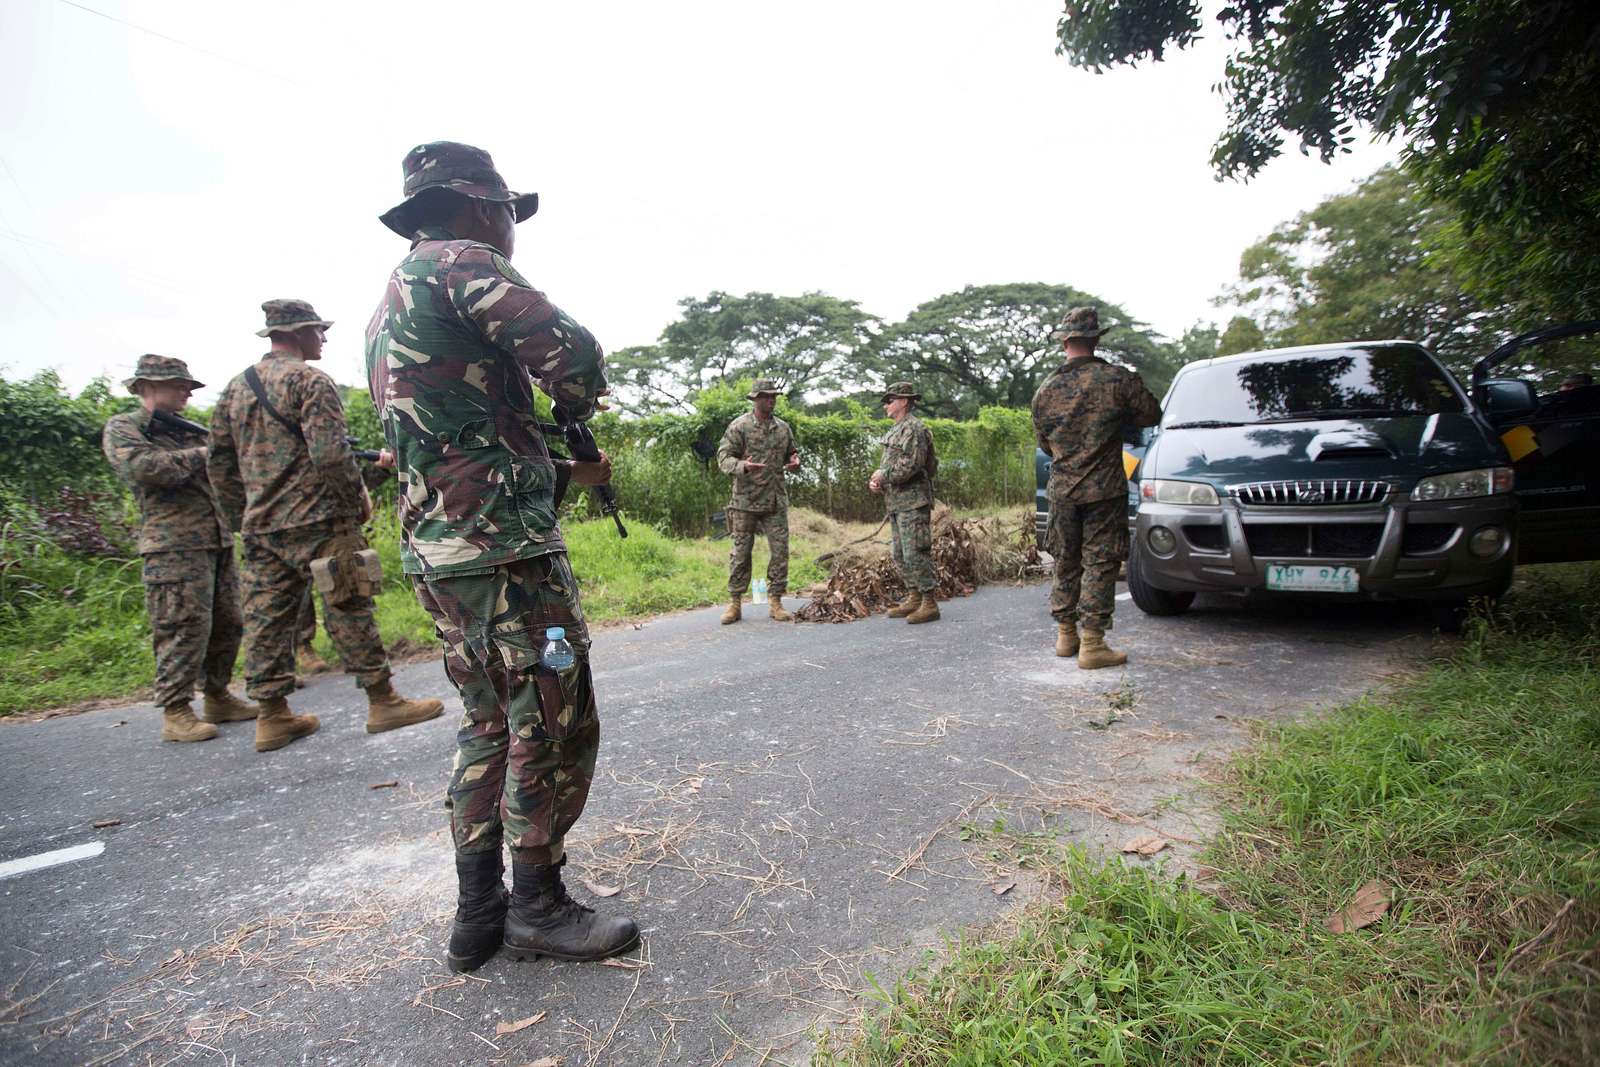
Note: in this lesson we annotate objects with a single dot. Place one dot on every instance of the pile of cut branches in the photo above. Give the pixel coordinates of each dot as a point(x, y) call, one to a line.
point(966, 553)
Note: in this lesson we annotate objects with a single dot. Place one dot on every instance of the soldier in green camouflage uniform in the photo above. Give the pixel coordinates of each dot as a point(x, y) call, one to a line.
point(1078, 416)
point(450, 352)
point(191, 584)
point(758, 449)
point(282, 466)
point(905, 478)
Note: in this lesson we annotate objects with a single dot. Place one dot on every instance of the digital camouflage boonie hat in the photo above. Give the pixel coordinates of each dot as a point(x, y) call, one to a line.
point(284, 316)
point(901, 390)
point(458, 167)
point(1079, 322)
point(763, 387)
point(153, 368)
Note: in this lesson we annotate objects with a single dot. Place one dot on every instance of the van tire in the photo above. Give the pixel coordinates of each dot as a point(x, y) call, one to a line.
point(1153, 601)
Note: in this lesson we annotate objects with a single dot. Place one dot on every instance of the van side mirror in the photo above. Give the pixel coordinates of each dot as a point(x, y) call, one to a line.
point(1507, 399)
point(1137, 436)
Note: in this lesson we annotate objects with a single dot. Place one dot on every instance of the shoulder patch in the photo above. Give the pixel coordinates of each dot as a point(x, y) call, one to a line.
point(507, 271)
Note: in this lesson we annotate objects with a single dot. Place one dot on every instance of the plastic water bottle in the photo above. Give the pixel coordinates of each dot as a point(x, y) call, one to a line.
point(761, 589)
point(557, 654)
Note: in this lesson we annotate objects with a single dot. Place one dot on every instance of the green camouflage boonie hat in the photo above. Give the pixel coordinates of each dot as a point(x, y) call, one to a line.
point(1079, 322)
point(459, 167)
point(285, 316)
point(763, 387)
point(901, 390)
point(153, 368)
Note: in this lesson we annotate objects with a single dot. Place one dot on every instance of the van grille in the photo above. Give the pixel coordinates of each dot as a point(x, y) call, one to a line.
point(1315, 491)
point(1314, 540)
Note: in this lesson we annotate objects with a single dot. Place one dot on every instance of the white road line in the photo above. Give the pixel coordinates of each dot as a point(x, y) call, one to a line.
point(28, 864)
point(1124, 596)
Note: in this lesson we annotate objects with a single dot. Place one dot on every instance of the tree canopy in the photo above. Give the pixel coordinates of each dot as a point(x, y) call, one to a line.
point(1357, 267)
point(1498, 102)
point(983, 346)
point(991, 345)
point(803, 342)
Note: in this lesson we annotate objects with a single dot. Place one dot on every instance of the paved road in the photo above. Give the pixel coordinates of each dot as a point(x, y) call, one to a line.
point(764, 797)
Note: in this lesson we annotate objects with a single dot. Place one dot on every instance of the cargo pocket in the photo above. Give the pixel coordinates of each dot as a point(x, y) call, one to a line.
point(548, 705)
point(531, 484)
point(922, 535)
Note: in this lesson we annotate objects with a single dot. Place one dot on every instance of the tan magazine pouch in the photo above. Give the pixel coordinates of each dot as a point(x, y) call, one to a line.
point(348, 572)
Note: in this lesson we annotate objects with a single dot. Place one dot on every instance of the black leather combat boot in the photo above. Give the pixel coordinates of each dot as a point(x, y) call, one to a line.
point(480, 921)
point(544, 921)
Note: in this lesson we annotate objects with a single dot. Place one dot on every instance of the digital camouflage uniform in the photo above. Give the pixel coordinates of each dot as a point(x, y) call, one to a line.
point(297, 497)
point(760, 500)
point(450, 351)
point(1078, 416)
point(191, 582)
point(906, 470)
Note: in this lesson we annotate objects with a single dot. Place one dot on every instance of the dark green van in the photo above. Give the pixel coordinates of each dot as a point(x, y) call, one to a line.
point(1346, 470)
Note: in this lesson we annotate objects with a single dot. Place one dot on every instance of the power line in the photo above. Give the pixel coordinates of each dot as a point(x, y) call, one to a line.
point(218, 56)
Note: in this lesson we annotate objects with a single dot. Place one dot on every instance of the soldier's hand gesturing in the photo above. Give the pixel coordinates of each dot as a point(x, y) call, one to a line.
point(794, 462)
point(592, 472)
point(752, 465)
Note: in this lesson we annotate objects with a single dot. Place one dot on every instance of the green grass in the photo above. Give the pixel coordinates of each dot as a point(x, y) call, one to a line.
point(1472, 788)
point(73, 630)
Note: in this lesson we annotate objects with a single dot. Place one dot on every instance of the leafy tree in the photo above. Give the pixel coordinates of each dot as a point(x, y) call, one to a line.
point(991, 345)
point(1498, 102)
point(1198, 342)
point(50, 439)
point(803, 342)
point(1242, 335)
point(1356, 267)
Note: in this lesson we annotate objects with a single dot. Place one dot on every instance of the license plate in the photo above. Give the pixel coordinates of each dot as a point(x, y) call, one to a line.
point(1300, 578)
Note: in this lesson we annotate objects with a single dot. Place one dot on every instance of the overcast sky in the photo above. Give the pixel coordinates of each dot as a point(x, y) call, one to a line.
point(153, 193)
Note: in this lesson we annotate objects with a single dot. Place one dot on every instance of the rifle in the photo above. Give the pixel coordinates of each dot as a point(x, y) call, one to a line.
point(581, 443)
point(179, 425)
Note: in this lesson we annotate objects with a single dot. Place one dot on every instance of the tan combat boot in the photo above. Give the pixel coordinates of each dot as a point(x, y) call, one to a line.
point(1066, 639)
point(223, 706)
point(388, 710)
point(912, 601)
point(179, 724)
point(276, 726)
point(775, 610)
point(1094, 652)
point(927, 612)
point(309, 661)
point(731, 615)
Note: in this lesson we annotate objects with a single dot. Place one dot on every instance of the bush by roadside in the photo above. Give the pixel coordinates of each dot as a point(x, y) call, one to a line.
point(1471, 791)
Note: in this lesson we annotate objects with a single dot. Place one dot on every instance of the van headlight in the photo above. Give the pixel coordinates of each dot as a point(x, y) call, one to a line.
point(1486, 481)
point(1168, 491)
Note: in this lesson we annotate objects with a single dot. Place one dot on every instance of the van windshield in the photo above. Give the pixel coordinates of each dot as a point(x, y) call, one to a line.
point(1356, 382)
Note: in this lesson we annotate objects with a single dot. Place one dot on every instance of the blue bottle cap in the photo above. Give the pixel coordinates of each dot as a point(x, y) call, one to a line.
point(555, 633)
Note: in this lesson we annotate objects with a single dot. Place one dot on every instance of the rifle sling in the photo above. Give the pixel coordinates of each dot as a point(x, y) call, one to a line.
point(253, 380)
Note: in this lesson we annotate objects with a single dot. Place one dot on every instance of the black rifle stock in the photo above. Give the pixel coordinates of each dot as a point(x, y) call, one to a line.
point(581, 443)
point(179, 425)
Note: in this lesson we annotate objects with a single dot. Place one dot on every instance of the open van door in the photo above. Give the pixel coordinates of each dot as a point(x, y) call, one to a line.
point(1554, 443)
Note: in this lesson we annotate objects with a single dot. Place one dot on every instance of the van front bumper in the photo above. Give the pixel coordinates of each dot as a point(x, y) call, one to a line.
point(1399, 548)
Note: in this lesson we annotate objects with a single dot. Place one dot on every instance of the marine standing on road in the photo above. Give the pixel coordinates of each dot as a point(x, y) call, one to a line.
point(1079, 413)
point(450, 351)
point(191, 584)
point(758, 449)
point(285, 475)
point(905, 478)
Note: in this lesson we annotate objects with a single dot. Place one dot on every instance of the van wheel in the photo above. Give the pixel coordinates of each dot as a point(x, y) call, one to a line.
point(1153, 601)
